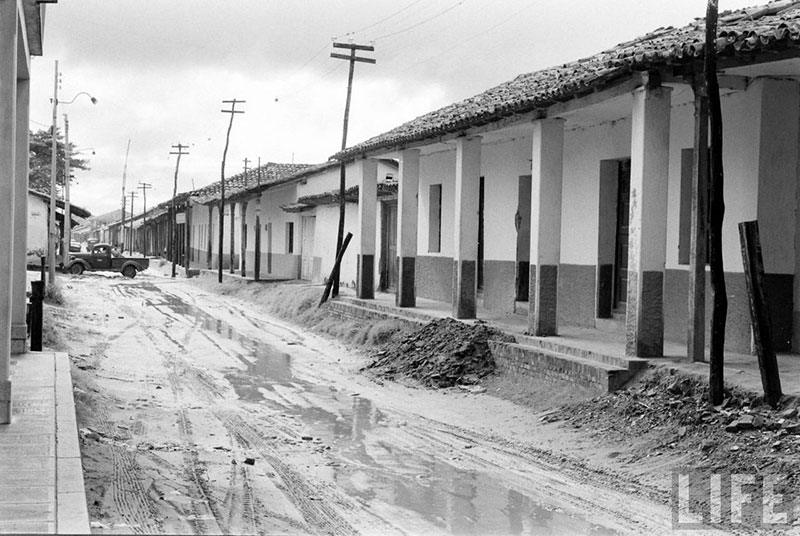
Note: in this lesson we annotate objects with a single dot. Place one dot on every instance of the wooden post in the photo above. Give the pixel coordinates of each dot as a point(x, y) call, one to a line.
point(716, 381)
point(696, 344)
point(759, 311)
point(335, 271)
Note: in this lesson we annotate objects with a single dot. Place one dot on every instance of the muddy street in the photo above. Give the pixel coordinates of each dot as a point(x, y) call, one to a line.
point(200, 414)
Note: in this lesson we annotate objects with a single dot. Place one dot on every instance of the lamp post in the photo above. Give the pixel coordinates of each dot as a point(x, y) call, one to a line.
point(51, 243)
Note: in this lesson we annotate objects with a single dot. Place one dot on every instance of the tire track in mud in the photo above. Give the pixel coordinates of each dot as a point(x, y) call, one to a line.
point(313, 502)
point(131, 498)
point(320, 516)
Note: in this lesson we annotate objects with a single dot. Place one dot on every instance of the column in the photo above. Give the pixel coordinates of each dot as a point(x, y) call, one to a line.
point(19, 328)
point(547, 166)
point(465, 233)
point(367, 172)
point(8, 109)
point(407, 211)
point(647, 241)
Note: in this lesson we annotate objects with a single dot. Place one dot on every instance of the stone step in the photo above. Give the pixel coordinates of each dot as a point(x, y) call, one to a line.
point(553, 345)
point(528, 361)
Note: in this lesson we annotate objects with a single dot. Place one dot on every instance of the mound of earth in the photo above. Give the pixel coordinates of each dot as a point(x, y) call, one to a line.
point(442, 353)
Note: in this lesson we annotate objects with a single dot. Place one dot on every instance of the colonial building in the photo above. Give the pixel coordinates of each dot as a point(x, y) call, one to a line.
point(565, 194)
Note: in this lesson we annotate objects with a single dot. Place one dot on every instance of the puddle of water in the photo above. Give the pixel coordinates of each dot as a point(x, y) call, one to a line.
point(455, 500)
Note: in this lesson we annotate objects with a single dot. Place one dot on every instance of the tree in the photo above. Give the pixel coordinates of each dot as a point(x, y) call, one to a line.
point(41, 152)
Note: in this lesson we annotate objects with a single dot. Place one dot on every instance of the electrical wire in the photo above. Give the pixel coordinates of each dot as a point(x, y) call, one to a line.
point(468, 39)
point(420, 23)
point(409, 6)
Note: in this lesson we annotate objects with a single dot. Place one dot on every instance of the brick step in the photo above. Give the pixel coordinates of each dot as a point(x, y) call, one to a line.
point(523, 360)
point(388, 309)
point(552, 345)
point(345, 309)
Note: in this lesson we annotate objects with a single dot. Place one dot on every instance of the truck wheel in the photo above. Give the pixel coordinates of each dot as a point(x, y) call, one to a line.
point(129, 272)
point(76, 269)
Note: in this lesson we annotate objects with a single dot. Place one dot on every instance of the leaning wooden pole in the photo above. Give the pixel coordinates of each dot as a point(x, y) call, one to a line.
point(759, 311)
point(719, 312)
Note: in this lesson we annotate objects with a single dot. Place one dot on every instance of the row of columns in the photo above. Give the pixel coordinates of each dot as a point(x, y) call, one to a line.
point(14, 140)
point(647, 239)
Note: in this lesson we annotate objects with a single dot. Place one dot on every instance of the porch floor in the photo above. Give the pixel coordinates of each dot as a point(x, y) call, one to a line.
point(740, 369)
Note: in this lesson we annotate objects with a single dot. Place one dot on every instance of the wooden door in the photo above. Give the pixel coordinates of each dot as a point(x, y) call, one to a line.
point(307, 248)
point(388, 275)
point(623, 221)
point(522, 222)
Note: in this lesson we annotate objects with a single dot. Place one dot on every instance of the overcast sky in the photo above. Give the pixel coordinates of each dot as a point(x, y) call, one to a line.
point(161, 69)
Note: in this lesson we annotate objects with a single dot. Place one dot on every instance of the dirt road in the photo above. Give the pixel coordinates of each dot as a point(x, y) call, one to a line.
point(199, 414)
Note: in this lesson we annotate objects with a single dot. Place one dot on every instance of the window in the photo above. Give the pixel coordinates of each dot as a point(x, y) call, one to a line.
point(435, 218)
point(289, 237)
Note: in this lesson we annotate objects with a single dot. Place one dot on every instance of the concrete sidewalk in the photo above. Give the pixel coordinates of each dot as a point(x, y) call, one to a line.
point(41, 477)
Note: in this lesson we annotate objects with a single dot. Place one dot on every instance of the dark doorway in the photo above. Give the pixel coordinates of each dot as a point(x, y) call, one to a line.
point(522, 222)
point(623, 220)
point(388, 266)
point(481, 199)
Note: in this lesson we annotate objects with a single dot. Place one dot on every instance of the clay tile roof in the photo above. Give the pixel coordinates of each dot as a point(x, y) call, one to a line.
point(272, 174)
point(745, 31)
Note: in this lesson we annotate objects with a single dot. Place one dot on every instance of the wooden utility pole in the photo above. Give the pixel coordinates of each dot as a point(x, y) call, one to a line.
point(173, 235)
point(144, 186)
point(52, 236)
point(759, 311)
point(352, 58)
point(67, 208)
point(133, 195)
point(719, 314)
point(124, 176)
point(257, 267)
point(233, 111)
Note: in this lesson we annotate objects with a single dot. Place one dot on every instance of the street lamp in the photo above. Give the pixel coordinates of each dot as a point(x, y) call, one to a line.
point(51, 243)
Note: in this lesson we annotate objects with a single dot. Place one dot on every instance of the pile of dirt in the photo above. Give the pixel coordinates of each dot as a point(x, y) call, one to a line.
point(667, 413)
point(442, 353)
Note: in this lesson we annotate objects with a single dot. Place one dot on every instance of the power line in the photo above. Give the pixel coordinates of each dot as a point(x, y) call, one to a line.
point(468, 39)
point(412, 4)
point(424, 21)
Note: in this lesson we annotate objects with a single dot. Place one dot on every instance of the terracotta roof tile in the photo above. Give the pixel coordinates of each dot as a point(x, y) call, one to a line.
point(745, 31)
point(271, 174)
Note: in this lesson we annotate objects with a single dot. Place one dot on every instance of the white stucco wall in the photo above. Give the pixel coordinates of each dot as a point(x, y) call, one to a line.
point(501, 166)
point(37, 223)
point(437, 168)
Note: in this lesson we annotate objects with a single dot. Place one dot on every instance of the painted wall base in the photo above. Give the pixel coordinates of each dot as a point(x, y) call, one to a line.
point(5, 401)
point(434, 278)
point(19, 338)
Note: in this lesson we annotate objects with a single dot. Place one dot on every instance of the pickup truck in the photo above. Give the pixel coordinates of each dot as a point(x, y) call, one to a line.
point(104, 258)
